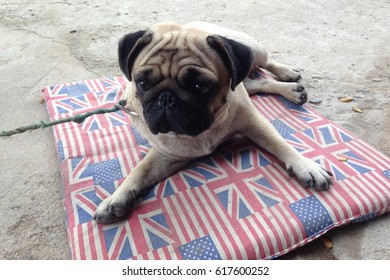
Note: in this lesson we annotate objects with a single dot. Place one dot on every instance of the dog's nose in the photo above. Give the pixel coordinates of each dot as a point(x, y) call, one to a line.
point(166, 100)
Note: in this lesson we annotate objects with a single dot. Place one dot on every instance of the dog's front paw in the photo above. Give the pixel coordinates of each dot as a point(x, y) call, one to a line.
point(310, 174)
point(115, 208)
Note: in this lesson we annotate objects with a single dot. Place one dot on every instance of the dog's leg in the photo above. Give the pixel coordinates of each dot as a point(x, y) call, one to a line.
point(284, 73)
point(288, 77)
point(309, 173)
point(287, 86)
point(294, 92)
point(152, 169)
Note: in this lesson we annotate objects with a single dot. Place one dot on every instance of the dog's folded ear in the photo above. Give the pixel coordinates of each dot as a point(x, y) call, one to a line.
point(237, 57)
point(129, 48)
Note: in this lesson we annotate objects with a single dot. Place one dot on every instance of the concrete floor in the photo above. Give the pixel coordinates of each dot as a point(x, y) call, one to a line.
point(342, 46)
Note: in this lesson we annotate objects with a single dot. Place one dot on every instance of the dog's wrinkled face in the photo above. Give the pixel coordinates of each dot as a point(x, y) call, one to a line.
point(178, 103)
point(181, 77)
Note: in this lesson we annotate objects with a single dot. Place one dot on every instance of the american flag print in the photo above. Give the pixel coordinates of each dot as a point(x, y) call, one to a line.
point(238, 203)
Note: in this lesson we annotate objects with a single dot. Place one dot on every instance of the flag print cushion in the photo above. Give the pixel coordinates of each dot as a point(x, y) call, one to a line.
point(238, 203)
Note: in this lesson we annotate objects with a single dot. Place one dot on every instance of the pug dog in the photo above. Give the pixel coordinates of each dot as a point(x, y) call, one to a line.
point(188, 92)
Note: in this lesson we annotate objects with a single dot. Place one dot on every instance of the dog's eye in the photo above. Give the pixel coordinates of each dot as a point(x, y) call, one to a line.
point(202, 88)
point(142, 86)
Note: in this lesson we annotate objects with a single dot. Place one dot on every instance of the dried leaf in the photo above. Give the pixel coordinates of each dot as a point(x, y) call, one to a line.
point(343, 159)
point(41, 99)
point(357, 109)
point(327, 243)
point(346, 99)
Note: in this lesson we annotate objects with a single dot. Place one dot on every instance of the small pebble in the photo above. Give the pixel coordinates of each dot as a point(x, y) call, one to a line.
point(315, 100)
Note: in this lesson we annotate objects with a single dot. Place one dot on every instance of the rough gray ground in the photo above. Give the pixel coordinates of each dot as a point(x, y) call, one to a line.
point(342, 46)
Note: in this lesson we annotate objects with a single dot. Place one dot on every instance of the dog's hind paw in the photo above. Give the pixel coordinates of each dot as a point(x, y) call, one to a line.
point(295, 93)
point(288, 74)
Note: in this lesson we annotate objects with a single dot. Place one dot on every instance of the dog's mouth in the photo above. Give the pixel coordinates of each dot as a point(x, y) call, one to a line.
point(168, 113)
point(165, 127)
point(177, 123)
point(162, 127)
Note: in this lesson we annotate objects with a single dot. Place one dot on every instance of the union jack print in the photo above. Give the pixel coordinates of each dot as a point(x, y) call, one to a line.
point(237, 203)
